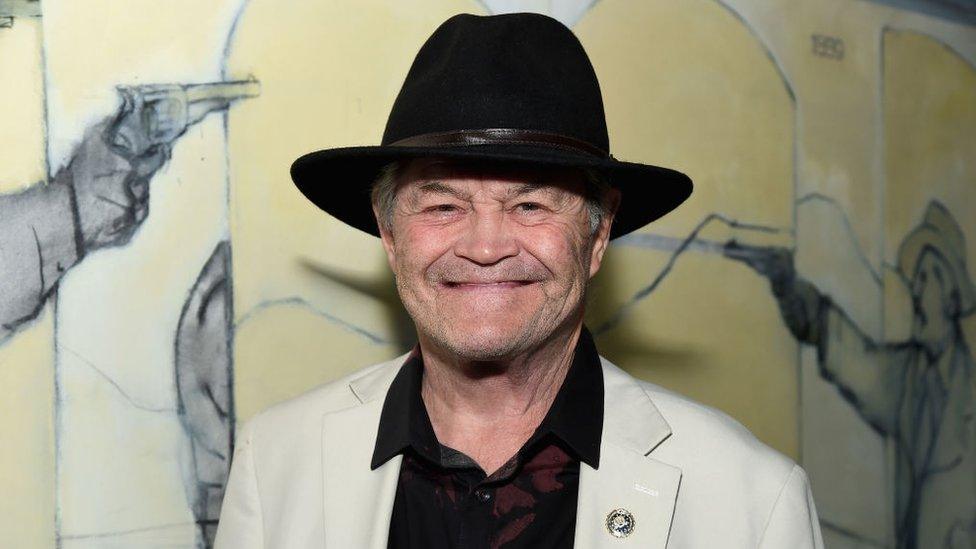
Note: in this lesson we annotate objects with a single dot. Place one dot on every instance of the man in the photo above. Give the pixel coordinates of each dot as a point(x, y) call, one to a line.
point(495, 197)
point(920, 392)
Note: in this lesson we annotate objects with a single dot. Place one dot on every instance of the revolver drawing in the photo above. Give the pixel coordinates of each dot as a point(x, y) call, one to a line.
point(156, 114)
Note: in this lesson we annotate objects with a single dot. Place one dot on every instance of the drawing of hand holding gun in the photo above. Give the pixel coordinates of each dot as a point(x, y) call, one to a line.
point(110, 171)
point(101, 196)
point(801, 304)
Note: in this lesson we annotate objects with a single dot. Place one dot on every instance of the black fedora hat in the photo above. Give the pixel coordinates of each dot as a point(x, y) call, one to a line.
point(515, 88)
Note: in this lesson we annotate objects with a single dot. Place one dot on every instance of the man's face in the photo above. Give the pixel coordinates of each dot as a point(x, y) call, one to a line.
point(491, 262)
point(932, 286)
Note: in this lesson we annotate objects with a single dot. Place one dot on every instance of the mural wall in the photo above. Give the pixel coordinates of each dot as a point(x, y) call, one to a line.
point(161, 280)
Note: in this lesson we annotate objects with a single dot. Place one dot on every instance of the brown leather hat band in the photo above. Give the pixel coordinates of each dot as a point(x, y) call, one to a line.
point(501, 136)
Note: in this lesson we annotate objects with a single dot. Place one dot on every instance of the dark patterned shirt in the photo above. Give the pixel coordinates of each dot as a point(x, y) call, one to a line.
point(444, 499)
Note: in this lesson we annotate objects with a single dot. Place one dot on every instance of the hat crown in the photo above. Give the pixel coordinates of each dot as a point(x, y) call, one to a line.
point(521, 71)
point(515, 88)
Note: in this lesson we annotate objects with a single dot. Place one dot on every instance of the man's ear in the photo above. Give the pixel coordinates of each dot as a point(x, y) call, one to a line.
point(386, 237)
point(601, 238)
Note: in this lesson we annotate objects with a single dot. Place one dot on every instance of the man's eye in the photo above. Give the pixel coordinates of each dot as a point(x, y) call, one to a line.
point(529, 206)
point(443, 208)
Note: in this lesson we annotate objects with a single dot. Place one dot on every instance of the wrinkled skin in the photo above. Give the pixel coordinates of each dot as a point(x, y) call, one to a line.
point(492, 263)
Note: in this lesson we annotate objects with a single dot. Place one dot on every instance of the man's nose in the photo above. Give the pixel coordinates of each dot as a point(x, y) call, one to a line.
point(487, 239)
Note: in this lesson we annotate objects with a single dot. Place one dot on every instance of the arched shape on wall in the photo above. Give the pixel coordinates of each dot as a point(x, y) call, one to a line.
point(929, 117)
point(329, 72)
point(690, 85)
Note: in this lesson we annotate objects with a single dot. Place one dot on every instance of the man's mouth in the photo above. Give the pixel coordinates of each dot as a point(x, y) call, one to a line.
point(487, 285)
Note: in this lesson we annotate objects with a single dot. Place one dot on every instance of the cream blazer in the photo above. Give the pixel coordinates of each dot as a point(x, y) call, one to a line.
point(691, 476)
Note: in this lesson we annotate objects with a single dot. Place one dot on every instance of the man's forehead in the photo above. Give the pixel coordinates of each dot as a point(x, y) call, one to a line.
point(434, 173)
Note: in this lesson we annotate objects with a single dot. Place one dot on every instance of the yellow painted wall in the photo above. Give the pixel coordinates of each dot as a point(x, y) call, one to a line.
point(21, 105)
point(27, 464)
point(930, 135)
point(26, 360)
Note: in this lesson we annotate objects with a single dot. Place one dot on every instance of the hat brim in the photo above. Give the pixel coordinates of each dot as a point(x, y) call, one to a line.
point(339, 180)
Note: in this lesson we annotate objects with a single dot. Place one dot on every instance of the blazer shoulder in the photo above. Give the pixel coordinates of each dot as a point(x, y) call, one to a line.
point(310, 406)
point(712, 438)
point(726, 470)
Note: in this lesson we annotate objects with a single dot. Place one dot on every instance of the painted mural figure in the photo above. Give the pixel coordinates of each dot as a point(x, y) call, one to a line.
point(98, 200)
point(205, 396)
point(101, 196)
point(919, 392)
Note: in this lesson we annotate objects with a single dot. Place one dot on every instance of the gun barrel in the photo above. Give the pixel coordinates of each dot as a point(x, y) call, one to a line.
point(159, 113)
point(222, 91)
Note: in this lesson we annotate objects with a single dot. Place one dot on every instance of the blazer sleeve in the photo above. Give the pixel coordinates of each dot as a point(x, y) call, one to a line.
point(241, 522)
point(793, 521)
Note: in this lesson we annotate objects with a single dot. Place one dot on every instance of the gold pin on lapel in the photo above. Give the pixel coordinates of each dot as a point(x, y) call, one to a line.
point(620, 523)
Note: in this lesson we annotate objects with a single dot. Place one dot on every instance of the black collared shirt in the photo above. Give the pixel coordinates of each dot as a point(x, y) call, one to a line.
point(444, 499)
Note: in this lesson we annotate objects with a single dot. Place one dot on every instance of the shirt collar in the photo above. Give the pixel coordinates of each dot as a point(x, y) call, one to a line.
point(575, 416)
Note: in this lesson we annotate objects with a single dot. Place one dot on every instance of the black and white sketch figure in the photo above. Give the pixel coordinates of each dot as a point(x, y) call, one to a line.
point(100, 197)
point(97, 200)
point(919, 392)
point(205, 402)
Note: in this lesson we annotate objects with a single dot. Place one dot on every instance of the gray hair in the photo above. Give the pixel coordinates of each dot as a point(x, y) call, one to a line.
point(597, 194)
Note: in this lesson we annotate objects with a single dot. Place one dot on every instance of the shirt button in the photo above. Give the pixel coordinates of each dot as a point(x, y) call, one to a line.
point(483, 495)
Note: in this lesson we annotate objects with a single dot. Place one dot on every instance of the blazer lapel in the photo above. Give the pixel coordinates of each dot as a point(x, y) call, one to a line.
point(358, 501)
point(627, 478)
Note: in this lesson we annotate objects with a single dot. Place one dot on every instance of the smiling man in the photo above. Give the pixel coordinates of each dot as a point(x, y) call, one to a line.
point(495, 196)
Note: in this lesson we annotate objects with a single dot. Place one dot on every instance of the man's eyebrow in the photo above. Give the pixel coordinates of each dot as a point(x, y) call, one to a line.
point(522, 189)
point(542, 188)
point(525, 188)
point(436, 187)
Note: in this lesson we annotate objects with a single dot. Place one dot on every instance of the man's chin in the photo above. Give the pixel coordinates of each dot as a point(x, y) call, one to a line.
point(484, 343)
